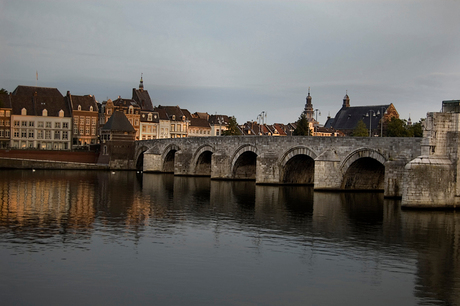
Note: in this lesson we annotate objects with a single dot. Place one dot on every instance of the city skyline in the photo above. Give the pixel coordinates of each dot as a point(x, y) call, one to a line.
point(239, 57)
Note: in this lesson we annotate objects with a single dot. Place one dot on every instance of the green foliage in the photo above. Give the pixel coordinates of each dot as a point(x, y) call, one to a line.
point(303, 128)
point(360, 130)
point(399, 128)
point(232, 128)
point(3, 91)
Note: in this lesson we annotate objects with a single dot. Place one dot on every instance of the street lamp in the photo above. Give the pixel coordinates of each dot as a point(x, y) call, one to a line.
point(317, 110)
point(383, 109)
point(220, 120)
point(370, 120)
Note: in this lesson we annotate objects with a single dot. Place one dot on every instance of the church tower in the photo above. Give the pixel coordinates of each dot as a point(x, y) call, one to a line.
point(308, 111)
point(141, 84)
point(346, 101)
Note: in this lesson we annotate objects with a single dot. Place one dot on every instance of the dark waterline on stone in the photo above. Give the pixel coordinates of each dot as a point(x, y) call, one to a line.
point(90, 237)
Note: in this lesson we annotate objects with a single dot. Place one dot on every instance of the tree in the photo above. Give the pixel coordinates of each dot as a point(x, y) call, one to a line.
point(360, 130)
point(417, 130)
point(3, 91)
point(303, 127)
point(232, 128)
point(397, 128)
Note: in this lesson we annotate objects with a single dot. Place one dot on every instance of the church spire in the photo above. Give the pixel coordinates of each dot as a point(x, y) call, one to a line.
point(346, 100)
point(308, 111)
point(141, 84)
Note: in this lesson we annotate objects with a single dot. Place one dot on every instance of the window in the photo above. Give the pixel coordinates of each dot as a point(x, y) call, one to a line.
point(7, 114)
point(44, 113)
point(57, 134)
point(48, 125)
point(1, 133)
point(143, 129)
point(90, 108)
point(65, 125)
point(87, 131)
point(31, 123)
point(179, 128)
point(173, 127)
point(65, 135)
point(75, 120)
point(61, 113)
point(75, 129)
point(1, 122)
point(93, 120)
point(2, 113)
point(31, 134)
point(7, 122)
point(23, 133)
point(136, 122)
point(82, 131)
point(57, 125)
point(7, 133)
point(93, 131)
point(40, 134)
point(23, 123)
point(88, 120)
point(40, 124)
point(82, 120)
point(149, 118)
point(16, 133)
point(79, 107)
point(23, 112)
point(47, 134)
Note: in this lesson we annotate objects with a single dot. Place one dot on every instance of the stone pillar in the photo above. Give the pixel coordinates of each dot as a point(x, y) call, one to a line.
point(221, 167)
point(267, 169)
point(182, 163)
point(327, 172)
point(153, 163)
point(394, 176)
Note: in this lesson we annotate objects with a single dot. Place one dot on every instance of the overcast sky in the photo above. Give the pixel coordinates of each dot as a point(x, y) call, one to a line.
point(239, 57)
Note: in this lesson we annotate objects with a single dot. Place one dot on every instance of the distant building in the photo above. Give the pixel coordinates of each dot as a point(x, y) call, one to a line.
point(179, 120)
point(128, 106)
point(41, 118)
point(85, 113)
point(142, 97)
point(117, 141)
point(199, 125)
point(5, 120)
point(218, 124)
point(374, 117)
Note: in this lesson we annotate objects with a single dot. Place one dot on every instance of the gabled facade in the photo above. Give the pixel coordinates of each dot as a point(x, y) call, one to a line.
point(128, 106)
point(179, 121)
point(85, 113)
point(142, 97)
point(218, 124)
point(42, 120)
point(149, 125)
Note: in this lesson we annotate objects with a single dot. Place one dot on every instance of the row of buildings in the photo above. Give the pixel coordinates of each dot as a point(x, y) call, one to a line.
point(42, 118)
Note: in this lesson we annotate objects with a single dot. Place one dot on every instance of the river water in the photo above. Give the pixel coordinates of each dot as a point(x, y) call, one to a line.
point(93, 238)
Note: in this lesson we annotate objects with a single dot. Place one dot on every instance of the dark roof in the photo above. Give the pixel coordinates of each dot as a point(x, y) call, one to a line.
point(5, 101)
point(174, 113)
point(22, 90)
point(214, 119)
point(124, 102)
point(161, 113)
point(118, 122)
point(36, 105)
point(142, 98)
point(145, 116)
point(348, 117)
point(198, 122)
point(84, 101)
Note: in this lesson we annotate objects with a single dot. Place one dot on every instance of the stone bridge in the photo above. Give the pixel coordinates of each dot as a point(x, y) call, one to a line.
point(328, 163)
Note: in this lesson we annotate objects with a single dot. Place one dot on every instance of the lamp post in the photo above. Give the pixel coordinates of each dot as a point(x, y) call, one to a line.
point(370, 120)
point(316, 119)
point(383, 109)
point(220, 120)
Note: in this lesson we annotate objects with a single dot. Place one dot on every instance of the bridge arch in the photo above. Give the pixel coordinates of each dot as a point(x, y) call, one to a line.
point(244, 162)
point(363, 169)
point(139, 157)
point(297, 166)
point(201, 160)
point(168, 157)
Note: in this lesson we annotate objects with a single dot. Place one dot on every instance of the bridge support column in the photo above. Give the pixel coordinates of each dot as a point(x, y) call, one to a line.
point(429, 182)
point(221, 167)
point(182, 163)
point(394, 176)
point(327, 175)
point(152, 163)
point(267, 169)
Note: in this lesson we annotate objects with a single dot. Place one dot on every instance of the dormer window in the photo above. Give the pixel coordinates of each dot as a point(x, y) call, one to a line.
point(61, 113)
point(149, 117)
point(44, 112)
point(24, 112)
point(79, 107)
point(90, 108)
point(131, 110)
